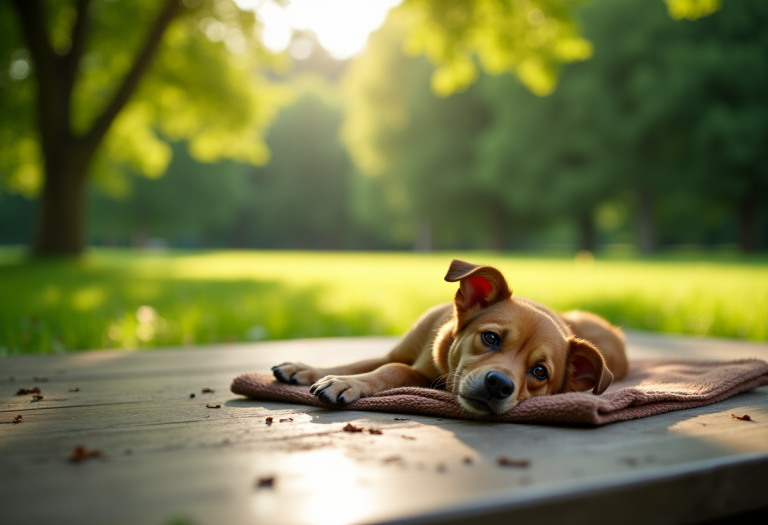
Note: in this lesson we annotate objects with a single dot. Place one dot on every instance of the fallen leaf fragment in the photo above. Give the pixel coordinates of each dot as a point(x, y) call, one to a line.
point(265, 483)
point(288, 420)
point(269, 420)
point(208, 391)
point(81, 454)
point(745, 417)
point(508, 462)
point(352, 428)
point(212, 406)
point(402, 419)
point(17, 419)
point(37, 397)
point(74, 389)
point(375, 431)
point(26, 391)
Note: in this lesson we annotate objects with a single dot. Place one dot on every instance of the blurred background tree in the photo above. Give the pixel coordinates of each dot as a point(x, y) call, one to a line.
point(650, 132)
point(86, 92)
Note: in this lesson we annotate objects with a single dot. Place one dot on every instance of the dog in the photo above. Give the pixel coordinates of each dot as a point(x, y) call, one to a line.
point(490, 349)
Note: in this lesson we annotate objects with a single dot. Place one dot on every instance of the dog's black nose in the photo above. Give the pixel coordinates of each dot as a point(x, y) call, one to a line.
point(498, 385)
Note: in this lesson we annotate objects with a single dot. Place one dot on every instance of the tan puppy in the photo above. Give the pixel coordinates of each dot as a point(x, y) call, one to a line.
point(490, 349)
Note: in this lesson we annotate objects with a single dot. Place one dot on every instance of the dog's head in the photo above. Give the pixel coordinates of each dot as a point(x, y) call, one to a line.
point(503, 350)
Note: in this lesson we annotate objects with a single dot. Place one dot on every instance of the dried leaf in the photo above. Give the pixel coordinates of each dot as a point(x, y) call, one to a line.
point(508, 462)
point(745, 417)
point(37, 397)
point(81, 454)
point(212, 406)
point(266, 483)
point(27, 391)
point(208, 391)
point(352, 428)
point(17, 419)
point(269, 420)
point(375, 431)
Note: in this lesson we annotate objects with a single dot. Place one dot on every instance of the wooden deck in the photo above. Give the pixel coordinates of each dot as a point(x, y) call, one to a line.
point(169, 459)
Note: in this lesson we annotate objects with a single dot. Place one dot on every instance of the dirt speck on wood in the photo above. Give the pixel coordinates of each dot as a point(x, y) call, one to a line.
point(267, 482)
point(509, 462)
point(81, 453)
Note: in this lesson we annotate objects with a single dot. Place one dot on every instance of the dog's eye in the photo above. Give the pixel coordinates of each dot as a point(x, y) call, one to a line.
point(539, 372)
point(490, 339)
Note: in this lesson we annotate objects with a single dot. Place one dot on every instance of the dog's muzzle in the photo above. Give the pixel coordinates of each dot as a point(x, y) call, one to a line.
point(490, 395)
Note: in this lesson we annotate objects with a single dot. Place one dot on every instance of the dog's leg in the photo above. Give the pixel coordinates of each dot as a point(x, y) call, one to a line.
point(348, 388)
point(301, 374)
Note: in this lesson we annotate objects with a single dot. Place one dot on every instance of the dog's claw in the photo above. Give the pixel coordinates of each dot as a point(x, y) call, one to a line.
point(312, 389)
point(340, 399)
point(292, 379)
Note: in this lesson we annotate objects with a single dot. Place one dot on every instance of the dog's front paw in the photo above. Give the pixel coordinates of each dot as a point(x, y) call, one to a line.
point(296, 373)
point(340, 389)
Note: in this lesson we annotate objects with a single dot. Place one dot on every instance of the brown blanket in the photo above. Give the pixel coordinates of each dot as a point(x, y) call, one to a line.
point(652, 387)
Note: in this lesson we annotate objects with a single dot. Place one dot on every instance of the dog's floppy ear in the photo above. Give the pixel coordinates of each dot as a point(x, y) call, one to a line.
point(479, 286)
point(586, 368)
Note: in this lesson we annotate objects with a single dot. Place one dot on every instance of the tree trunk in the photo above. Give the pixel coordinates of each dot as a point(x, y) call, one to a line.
point(647, 241)
point(67, 157)
point(587, 232)
point(748, 224)
point(62, 208)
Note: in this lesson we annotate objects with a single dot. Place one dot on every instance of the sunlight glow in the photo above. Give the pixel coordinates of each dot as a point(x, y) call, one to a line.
point(341, 26)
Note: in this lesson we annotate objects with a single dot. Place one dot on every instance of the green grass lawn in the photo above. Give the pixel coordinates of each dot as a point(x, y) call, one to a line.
point(134, 300)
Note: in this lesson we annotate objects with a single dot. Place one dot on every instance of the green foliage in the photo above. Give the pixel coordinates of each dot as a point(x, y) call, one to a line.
point(130, 300)
point(669, 112)
point(189, 201)
point(300, 199)
point(528, 38)
point(692, 9)
point(201, 88)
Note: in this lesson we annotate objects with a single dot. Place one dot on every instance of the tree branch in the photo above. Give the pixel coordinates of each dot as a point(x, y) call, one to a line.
point(94, 136)
point(50, 114)
point(79, 38)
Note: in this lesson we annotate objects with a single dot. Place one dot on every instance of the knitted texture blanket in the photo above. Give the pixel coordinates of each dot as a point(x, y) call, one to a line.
point(653, 386)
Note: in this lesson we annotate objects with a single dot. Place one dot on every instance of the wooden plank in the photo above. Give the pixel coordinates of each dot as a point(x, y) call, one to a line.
point(201, 464)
